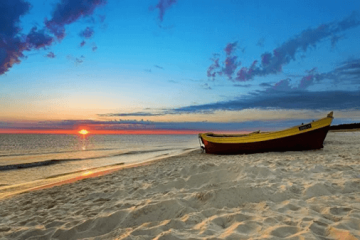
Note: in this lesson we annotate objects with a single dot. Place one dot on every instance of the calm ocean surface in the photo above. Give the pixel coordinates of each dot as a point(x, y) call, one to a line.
point(29, 157)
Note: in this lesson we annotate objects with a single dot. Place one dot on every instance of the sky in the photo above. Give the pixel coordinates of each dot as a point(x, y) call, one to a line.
point(177, 66)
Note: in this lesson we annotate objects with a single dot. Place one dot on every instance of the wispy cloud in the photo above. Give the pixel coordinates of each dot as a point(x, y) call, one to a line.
point(163, 6)
point(206, 86)
point(228, 67)
point(242, 85)
point(330, 100)
point(50, 55)
point(349, 70)
point(159, 67)
point(134, 114)
point(13, 43)
point(273, 62)
point(87, 33)
point(68, 11)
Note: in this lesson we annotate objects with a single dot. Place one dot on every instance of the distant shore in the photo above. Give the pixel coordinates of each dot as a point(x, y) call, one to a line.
point(296, 195)
point(345, 130)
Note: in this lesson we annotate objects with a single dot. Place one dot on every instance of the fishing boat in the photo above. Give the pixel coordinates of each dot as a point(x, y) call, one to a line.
point(302, 137)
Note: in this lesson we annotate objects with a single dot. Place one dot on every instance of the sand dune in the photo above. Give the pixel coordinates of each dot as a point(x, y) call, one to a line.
point(290, 195)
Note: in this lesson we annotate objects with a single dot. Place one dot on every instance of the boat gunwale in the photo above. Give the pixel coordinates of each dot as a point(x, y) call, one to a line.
point(265, 136)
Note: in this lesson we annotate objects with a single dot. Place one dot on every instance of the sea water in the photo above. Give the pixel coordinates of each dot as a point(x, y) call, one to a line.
point(29, 157)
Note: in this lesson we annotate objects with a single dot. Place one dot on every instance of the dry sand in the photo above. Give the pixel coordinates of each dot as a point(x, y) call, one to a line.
point(290, 195)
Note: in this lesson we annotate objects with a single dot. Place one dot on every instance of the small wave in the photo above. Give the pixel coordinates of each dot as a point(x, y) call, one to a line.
point(57, 161)
point(44, 153)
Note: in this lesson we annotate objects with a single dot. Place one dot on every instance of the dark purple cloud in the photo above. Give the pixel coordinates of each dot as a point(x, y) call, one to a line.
point(305, 82)
point(82, 43)
point(228, 67)
point(315, 100)
point(69, 11)
point(230, 48)
point(12, 44)
point(286, 95)
point(50, 55)
point(87, 33)
point(211, 70)
point(94, 48)
point(38, 39)
point(163, 6)
point(273, 62)
point(244, 72)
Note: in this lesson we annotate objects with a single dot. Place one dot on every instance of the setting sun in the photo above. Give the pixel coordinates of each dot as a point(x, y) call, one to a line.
point(83, 132)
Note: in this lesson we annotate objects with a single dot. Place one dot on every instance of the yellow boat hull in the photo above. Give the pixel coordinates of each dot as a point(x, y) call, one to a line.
point(303, 137)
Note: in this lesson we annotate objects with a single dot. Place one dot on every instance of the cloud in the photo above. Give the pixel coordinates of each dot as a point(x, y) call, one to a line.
point(147, 70)
point(68, 11)
point(87, 33)
point(38, 39)
point(230, 48)
point(82, 43)
point(76, 60)
point(94, 48)
point(134, 114)
point(320, 100)
point(349, 70)
point(159, 67)
point(163, 6)
point(265, 85)
point(228, 67)
point(13, 43)
point(287, 95)
point(215, 65)
point(50, 55)
point(206, 86)
point(242, 85)
point(273, 62)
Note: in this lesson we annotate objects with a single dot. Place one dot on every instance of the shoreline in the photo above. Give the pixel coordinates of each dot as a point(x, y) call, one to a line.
point(294, 195)
point(346, 130)
point(72, 177)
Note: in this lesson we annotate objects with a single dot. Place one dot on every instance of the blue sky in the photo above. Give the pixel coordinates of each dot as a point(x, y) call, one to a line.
point(178, 63)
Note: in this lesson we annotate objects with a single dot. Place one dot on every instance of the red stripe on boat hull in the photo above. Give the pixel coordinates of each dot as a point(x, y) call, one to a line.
point(303, 141)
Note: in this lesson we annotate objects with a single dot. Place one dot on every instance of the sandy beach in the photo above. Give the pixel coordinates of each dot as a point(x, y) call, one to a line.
point(289, 195)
